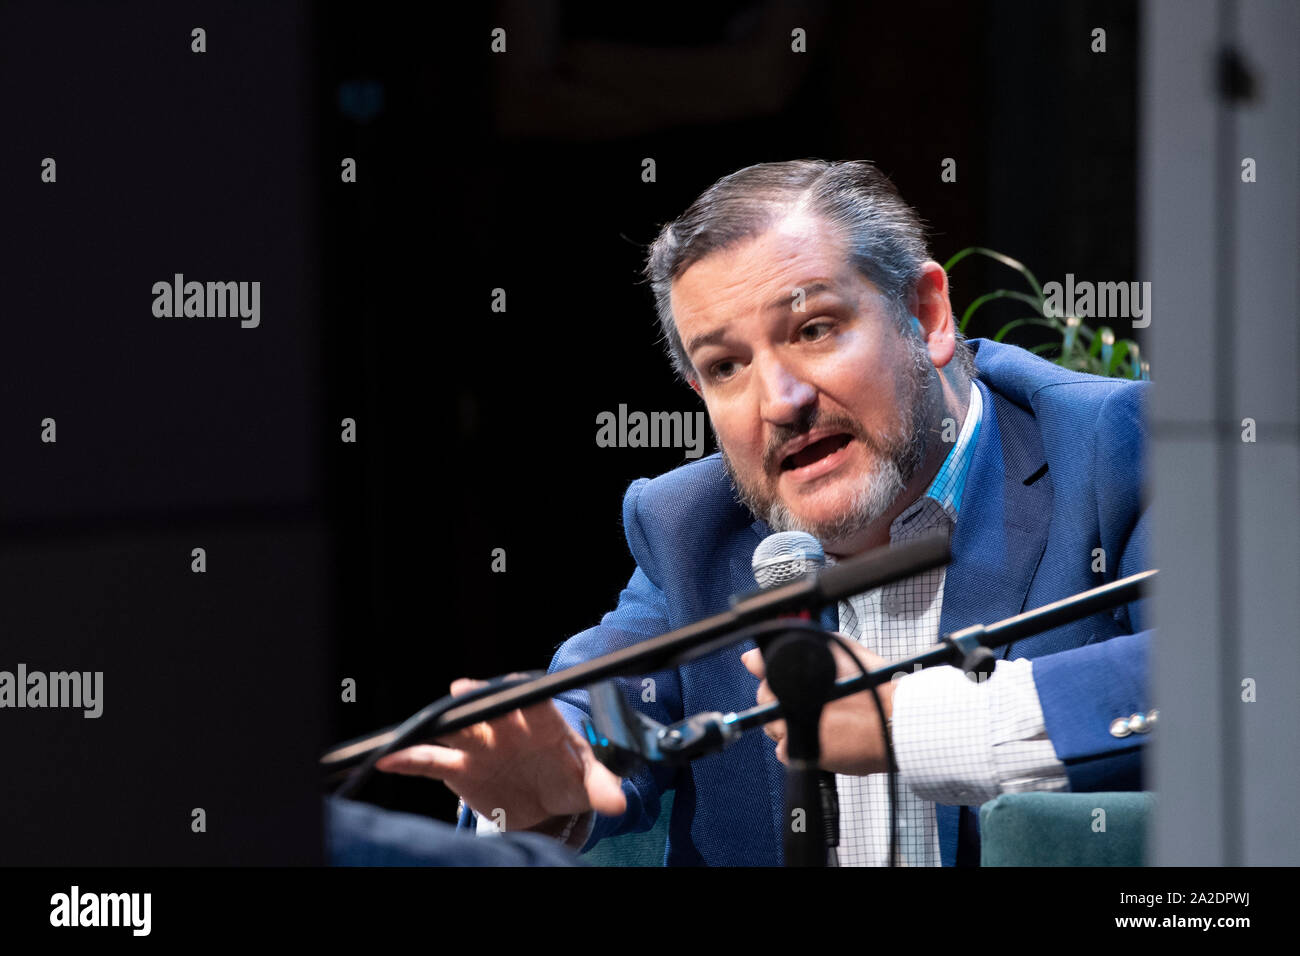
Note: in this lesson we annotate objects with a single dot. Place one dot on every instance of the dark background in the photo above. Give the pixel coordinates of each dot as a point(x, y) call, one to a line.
point(476, 171)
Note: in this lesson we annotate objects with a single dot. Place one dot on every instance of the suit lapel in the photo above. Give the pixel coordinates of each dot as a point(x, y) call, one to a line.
point(996, 546)
point(1002, 522)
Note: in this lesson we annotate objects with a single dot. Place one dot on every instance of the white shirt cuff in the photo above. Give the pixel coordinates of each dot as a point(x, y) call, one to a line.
point(961, 742)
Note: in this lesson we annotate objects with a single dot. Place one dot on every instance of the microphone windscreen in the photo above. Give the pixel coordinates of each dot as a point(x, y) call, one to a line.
point(786, 556)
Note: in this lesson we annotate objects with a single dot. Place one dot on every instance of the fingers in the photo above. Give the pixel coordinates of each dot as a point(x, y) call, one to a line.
point(463, 685)
point(870, 658)
point(846, 666)
point(528, 763)
point(753, 661)
point(434, 761)
point(604, 789)
point(424, 760)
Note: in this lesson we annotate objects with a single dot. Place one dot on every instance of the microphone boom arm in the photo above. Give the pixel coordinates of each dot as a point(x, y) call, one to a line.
point(688, 740)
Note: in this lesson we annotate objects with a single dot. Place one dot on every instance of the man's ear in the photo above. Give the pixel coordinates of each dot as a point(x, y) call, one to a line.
point(932, 311)
point(695, 387)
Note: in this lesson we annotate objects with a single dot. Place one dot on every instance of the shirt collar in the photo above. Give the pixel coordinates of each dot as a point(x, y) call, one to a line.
point(950, 481)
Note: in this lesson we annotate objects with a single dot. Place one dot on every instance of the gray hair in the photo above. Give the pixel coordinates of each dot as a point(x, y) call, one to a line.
point(883, 234)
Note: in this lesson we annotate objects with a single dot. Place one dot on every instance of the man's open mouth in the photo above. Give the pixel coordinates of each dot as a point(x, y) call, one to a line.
point(815, 452)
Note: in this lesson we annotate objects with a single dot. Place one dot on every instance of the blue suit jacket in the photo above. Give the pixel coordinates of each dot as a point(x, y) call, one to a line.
point(1056, 474)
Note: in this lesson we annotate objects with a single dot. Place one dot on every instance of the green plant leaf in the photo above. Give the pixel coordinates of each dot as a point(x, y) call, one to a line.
point(997, 294)
point(1082, 348)
point(1095, 348)
point(1118, 356)
point(1019, 322)
point(998, 257)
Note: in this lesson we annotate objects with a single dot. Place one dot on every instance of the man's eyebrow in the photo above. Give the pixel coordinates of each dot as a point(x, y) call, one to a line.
point(810, 290)
point(708, 338)
point(782, 302)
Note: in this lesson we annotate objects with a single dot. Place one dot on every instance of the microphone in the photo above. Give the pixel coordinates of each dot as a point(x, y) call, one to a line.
point(779, 559)
point(786, 556)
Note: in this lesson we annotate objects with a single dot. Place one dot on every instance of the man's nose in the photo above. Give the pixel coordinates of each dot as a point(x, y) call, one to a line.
point(787, 396)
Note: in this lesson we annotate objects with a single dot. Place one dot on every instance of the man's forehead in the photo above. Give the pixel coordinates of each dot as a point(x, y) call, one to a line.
point(763, 273)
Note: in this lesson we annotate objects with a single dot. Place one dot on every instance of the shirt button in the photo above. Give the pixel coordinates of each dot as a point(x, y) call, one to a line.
point(1119, 727)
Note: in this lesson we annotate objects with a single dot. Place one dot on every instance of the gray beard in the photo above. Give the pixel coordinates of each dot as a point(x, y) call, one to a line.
point(869, 503)
point(904, 454)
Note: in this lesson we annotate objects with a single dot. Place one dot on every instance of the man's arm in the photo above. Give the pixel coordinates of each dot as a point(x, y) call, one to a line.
point(959, 742)
point(1095, 698)
point(1065, 717)
point(1045, 724)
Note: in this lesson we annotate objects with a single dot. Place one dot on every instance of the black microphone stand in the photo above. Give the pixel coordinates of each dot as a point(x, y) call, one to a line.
point(801, 673)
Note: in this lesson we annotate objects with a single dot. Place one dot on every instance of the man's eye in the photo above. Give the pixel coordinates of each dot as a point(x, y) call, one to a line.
point(720, 371)
point(814, 331)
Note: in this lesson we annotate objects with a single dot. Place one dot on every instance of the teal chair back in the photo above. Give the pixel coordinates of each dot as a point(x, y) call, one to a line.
point(636, 849)
point(1065, 829)
point(1025, 829)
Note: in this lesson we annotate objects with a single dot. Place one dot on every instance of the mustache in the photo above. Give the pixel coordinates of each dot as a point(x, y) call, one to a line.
point(831, 421)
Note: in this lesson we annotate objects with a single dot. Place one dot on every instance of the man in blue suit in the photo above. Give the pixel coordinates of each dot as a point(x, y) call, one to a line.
point(799, 302)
